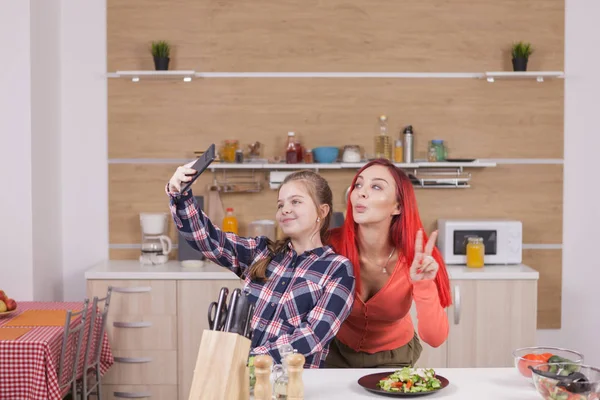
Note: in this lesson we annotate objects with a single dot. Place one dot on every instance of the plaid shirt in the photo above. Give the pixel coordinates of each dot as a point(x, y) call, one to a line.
point(306, 296)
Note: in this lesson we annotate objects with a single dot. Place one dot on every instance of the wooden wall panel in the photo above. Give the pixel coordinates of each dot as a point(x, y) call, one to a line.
point(335, 35)
point(506, 119)
point(549, 264)
point(529, 193)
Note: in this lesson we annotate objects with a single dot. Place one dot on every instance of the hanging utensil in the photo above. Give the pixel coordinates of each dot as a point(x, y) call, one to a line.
point(231, 312)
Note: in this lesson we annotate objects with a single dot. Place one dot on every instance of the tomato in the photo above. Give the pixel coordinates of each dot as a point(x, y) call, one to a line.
point(530, 360)
point(397, 385)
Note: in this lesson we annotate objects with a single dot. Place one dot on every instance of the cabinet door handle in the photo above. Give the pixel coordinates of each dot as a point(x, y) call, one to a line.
point(133, 360)
point(130, 395)
point(118, 324)
point(456, 305)
point(136, 289)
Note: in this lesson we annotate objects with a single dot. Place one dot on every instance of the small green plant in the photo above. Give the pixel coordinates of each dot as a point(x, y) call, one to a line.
point(160, 49)
point(522, 50)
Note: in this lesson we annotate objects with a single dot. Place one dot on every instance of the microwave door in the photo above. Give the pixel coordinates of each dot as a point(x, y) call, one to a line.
point(461, 238)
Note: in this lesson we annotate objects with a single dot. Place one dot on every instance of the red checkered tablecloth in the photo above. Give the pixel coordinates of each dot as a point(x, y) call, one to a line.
point(29, 364)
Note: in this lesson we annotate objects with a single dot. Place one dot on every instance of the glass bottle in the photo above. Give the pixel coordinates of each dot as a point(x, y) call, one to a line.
point(475, 252)
point(383, 142)
point(291, 150)
point(398, 151)
point(280, 382)
point(432, 153)
point(230, 222)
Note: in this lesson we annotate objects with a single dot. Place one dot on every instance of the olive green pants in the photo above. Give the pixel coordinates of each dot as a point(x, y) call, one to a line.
point(342, 356)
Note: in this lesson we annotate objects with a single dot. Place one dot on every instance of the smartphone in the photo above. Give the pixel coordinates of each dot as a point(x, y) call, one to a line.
point(200, 165)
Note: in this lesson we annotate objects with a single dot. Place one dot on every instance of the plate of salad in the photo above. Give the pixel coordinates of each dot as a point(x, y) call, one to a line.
point(405, 382)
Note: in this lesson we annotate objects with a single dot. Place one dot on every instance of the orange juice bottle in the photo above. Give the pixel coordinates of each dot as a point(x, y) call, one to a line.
point(475, 252)
point(230, 222)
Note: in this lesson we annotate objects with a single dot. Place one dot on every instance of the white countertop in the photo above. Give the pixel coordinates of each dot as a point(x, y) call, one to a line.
point(132, 269)
point(465, 384)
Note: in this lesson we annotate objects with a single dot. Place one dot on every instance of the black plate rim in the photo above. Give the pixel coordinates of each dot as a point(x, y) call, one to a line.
point(445, 382)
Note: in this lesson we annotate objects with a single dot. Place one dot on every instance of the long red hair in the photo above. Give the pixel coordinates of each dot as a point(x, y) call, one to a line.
point(403, 231)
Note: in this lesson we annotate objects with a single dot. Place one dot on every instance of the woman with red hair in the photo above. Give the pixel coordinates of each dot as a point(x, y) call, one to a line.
point(394, 264)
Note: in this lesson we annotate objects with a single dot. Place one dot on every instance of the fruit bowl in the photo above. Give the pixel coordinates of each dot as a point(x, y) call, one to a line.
point(7, 313)
point(569, 381)
point(534, 356)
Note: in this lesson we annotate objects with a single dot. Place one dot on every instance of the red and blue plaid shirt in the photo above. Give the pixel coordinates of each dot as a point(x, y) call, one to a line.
point(306, 296)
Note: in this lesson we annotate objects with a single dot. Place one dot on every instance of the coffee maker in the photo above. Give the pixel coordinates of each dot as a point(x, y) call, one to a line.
point(156, 245)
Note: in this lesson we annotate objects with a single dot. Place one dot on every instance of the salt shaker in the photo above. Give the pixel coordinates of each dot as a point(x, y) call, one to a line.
point(262, 370)
point(295, 365)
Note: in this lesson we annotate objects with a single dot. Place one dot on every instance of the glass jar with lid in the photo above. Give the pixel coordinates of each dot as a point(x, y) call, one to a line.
point(475, 252)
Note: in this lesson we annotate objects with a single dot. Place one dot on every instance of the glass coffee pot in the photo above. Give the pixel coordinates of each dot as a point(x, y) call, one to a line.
point(156, 245)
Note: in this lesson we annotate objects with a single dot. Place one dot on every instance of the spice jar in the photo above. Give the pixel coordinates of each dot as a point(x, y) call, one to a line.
point(475, 252)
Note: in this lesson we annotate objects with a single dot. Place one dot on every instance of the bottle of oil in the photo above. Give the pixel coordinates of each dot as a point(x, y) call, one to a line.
point(383, 141)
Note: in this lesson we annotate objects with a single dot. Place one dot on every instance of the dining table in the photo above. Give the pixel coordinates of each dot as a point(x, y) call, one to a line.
point(31, 340)
point(464, 384)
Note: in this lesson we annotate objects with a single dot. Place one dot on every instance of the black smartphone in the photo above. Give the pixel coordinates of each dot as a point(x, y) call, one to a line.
point(200, 165)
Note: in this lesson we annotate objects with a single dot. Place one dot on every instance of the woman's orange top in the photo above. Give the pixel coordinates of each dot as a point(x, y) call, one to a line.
point(384, 322)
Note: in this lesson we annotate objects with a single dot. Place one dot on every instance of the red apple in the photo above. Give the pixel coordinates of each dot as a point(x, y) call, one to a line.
point(3, 296)
point(11, 304)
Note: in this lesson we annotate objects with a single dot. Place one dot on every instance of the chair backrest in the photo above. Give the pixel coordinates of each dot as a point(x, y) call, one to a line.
point(95, 337)
point(71, 346)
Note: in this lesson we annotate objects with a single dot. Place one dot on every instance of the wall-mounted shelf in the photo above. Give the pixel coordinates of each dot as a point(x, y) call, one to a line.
point(282, 166)
point(540, 76)
point(426, 175)
point(187, 76)
point(136, 76)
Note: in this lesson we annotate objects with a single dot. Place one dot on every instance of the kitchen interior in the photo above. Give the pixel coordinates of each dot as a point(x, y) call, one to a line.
point(279, 87)
point(481, 149)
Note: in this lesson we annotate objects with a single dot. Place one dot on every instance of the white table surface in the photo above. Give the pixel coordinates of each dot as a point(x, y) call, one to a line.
point(465, 384)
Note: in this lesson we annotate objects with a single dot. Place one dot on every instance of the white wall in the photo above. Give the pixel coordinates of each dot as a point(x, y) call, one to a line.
point(45, 150)
point(581, 268)
point(84, 170)
point(53, 122)
point(16, 268)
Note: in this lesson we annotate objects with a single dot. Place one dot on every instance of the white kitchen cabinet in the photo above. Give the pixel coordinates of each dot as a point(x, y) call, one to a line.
point(193, 298)
point(489, 319)
point(158, 315)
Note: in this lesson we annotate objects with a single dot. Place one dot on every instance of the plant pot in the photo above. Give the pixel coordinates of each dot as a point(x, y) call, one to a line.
point(161, 63)
point(520, 63)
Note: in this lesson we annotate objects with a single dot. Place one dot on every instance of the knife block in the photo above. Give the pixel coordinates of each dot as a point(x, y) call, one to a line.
point(221, 371)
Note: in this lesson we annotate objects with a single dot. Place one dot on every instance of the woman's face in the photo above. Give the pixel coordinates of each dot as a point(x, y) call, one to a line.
point(374, 196)
point(296, 211)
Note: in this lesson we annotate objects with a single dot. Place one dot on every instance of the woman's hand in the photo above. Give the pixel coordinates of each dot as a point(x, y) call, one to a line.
point(181, 175)
point(424, 266)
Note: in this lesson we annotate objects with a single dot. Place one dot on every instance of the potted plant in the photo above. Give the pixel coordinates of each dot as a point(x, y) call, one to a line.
point(520, 55)
point(160, 51)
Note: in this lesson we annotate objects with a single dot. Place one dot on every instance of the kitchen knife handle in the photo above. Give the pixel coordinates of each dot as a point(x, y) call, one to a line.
point(221, 307)
point(232, 308)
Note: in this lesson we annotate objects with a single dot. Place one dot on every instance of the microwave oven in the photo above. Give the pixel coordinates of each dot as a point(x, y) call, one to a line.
point(503, 240)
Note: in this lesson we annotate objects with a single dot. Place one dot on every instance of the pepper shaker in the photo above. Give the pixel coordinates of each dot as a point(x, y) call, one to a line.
point(295, 365)
point(262, 370)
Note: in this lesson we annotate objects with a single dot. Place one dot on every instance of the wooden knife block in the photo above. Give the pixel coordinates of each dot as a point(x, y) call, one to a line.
point(221, 371)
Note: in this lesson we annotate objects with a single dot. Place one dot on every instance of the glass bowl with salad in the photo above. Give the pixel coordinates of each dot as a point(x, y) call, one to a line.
point(410, 380)
point(567, 381)
point(533, 356)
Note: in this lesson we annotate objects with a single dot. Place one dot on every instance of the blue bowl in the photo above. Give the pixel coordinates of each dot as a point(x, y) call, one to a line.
point(325, 155)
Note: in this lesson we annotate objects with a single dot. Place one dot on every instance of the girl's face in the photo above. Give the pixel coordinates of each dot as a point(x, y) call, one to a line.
point(374, 196)
point(297, 212)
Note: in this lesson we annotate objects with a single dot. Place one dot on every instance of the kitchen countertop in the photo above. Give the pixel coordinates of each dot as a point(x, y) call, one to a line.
point(132, 269)
point(465, 384)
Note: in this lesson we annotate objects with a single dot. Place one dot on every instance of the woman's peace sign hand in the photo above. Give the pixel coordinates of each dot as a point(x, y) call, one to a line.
point(424, 266)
